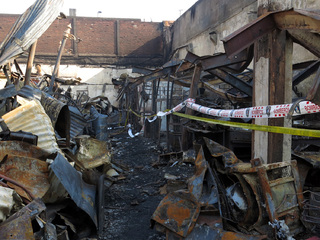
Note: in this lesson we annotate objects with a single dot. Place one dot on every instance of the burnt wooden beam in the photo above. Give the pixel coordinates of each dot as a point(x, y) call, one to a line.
point(186, 143)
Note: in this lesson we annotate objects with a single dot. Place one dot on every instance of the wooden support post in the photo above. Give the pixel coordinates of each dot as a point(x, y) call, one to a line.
point(261, 96)
point(272, 85)
point(280, 92)
point(32, 52)
point(186, 143)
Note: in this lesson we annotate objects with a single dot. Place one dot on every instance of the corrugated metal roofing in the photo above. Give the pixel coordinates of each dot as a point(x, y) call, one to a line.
point(31, 117)
point(28, 28)
point(77, 122)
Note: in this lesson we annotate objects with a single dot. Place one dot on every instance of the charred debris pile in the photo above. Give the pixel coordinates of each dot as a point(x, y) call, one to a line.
point(55, 155)
point(50, 171)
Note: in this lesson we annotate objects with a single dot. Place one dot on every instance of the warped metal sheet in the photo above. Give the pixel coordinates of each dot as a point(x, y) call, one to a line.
point(30, 93)
point(178, 211)
point(18, 226)
point(77, 122)
point(24, 149)
point(195, 183)
point(59, 114)
point(31, 117)
point(30, 172)
point(217, 232)
point(57, 111)
point(81, 193)
point(28, 28)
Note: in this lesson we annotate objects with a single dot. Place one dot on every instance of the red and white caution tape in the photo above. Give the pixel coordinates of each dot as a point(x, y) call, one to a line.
point(271, 111)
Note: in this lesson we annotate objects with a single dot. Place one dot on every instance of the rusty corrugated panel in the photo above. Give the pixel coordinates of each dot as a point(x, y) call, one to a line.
point(31, 117)
point(83, 194)
point(28, 28)
point(57, 111)
point(18, 226)
point(30, 172)
point(19, 148)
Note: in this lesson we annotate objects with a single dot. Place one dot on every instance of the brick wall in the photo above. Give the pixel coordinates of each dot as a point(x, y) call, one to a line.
point(98, 37)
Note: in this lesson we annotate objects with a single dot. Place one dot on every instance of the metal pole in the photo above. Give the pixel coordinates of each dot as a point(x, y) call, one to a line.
point(30, 62)
point(57, 65)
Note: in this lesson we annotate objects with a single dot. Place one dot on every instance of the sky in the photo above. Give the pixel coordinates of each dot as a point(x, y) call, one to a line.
point(146, 10)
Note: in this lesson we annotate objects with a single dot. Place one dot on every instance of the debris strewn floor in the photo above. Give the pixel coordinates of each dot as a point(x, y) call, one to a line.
point(135, 194)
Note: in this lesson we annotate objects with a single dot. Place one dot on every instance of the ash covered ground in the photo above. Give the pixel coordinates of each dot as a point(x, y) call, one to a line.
point(135, 194)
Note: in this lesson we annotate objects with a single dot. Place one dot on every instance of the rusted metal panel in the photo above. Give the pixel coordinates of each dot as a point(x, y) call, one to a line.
point(18, 226)
point(30, 172)
point(257, 192)
point(311, 157)
point(217, 150)
point(195, 183)
point(83, 194)
point(28, 28)
point(280, 194)
point(19, 148)
point(92, 152)
point(31, 117)
point(178, 211)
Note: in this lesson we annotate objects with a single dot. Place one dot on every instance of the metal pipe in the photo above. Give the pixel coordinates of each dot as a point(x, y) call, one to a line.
point(18, 184)
point(32, 52)
point(57, 65)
